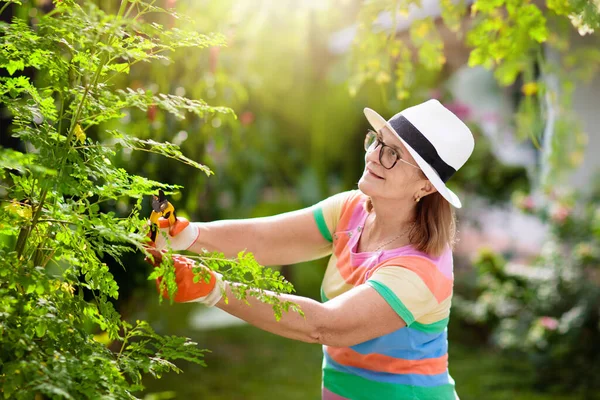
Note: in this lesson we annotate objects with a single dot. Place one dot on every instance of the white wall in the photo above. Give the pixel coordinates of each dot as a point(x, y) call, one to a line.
point(586, 104)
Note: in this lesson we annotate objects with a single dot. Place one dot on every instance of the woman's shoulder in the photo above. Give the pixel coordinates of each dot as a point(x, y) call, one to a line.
point(345, 201)
point(338, 209)
point(356, 196)
point(352, 209)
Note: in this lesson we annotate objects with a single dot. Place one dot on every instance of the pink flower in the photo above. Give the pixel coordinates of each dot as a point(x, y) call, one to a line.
point(247, 118)
point(559, 213)
point(549, 323)
point(491, 117)
point(528, 203)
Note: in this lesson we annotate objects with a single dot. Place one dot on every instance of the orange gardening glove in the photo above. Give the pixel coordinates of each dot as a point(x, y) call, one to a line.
point(180, 236)
point(188, 291)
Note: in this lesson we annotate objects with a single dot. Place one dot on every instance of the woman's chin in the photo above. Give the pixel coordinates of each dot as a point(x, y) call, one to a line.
point(366, 187)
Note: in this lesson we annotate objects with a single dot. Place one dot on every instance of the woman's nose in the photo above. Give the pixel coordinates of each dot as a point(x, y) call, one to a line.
point(373, 153)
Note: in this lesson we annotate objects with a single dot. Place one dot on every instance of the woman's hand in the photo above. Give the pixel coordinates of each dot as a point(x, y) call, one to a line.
point(208, 293)
point(180, 236)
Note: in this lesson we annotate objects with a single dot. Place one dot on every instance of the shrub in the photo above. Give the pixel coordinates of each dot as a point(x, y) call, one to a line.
point(53, 232)
point(548, 309)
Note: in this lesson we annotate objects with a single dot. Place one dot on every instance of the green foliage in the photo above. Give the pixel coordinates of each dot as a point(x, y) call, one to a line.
point(292, 104)
point(425, 37)
point(453, 13)
point(505, 31)
point(512, 37)
point(251, 279)
point(548, 309)
point(377, 52)
point(55, 290)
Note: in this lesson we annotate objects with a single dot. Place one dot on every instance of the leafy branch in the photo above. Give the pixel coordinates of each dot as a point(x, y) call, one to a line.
point(55, 230)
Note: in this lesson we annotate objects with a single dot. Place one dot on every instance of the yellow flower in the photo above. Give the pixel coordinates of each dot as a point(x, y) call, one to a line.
point(530, 88)
point(67, 287)
point(422, 30)
point(576, 158)
point(22, 210)
point(79, 133)
point(402, 94)
point(103, 338)
point(382, 77)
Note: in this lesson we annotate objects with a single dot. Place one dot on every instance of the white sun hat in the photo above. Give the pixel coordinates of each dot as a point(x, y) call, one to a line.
point(437, 139)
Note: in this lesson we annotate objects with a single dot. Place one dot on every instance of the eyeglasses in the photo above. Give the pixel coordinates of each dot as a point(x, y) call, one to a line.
point(388, 156)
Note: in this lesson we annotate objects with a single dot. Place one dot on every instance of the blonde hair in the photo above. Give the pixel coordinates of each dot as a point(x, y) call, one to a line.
point(435, 224)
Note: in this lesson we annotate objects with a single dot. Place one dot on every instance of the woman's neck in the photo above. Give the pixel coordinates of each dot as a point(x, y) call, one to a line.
point(388, 221)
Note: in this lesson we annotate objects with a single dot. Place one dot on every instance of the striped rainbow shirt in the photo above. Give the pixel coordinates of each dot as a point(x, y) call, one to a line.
point(412, 362)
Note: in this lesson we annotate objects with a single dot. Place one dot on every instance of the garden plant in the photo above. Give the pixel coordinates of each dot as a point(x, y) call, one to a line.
point(56, 291)
point(547, 309)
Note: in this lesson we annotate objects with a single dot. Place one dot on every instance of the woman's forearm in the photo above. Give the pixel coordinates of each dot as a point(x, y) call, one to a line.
point(279, 240)
point(291, 325)
point(341, 322)
point(228, 237)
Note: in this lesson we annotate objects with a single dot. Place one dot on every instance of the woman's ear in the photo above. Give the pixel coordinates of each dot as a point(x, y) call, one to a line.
point(428, 188)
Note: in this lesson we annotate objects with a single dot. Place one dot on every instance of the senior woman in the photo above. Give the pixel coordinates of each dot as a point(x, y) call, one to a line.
point(387, 289)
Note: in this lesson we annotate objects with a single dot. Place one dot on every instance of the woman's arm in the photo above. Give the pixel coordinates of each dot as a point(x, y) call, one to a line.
point(278, 240)
point(354, 317)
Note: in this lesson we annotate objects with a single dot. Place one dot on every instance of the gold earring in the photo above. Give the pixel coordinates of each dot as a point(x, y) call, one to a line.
point(417, 199)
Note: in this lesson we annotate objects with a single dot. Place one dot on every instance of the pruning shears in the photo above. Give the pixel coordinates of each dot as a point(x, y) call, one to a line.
point(161, 207)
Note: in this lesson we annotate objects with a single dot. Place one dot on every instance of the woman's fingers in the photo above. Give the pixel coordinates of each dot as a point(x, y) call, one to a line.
point(155, 256)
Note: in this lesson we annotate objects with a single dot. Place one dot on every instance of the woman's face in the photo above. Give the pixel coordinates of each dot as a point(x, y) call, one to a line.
point(401, 182)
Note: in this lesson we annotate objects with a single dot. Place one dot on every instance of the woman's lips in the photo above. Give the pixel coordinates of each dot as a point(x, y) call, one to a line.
point(373, 174)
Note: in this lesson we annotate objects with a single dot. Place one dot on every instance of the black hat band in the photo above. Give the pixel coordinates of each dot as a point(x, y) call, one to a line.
point(411, 135)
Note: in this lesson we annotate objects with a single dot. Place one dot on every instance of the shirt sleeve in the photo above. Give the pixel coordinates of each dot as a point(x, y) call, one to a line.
point(327, 213)
point(406, 291)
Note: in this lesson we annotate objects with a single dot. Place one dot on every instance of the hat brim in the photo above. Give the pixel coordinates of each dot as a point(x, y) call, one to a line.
point(378, 122)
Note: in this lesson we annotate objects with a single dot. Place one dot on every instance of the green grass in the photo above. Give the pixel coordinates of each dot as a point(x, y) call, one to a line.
point(249, 364)
point(481, 373)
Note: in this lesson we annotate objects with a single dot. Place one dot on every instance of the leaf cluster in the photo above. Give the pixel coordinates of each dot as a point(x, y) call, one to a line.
point(251, 279)
point(57, 223)
point(383, 53)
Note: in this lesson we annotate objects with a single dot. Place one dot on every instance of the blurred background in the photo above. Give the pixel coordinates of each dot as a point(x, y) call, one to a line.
point(523, 75)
